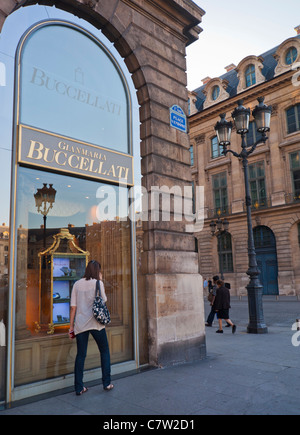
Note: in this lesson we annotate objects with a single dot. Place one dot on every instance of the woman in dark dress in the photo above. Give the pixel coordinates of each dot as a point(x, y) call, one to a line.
point(222, 305)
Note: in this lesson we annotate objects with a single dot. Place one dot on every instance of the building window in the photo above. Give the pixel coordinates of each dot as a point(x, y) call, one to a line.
point(295, 171)
point(225, 253)
point(291, 55)
point(257, 185)
point(215, 93)
point(220, 193)
point(253, 135)
point(250, 76)
point(293, 118)
point(215, 148)
point(192, 155)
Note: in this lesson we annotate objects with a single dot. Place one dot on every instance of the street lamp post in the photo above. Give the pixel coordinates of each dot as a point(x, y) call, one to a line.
point(44, 200)
point(222, 227)
point(241, 116)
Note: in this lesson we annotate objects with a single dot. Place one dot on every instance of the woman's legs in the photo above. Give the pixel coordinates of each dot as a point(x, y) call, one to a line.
point(102, 343)
point(82, 343)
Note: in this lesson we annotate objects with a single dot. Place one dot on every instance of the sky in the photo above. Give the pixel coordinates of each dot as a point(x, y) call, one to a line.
point(235, 29)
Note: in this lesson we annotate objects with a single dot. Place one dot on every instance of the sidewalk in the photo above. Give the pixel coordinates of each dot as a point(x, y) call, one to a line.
point(243, 374)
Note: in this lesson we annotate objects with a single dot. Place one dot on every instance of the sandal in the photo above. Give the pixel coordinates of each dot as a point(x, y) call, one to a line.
point(82, 392)
point(109, 387)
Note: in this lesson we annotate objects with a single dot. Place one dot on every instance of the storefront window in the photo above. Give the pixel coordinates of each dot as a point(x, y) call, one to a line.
point(43, 300)
point(71, 89)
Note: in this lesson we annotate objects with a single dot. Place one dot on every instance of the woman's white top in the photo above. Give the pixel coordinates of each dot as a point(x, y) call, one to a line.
point(83, 296)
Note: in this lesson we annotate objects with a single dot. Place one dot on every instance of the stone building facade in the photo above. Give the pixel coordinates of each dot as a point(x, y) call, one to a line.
point(151, 37)
point(273, 171)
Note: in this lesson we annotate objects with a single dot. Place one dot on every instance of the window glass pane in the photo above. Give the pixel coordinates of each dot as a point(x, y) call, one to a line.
point(291, 55)
point(86, 97)
point(295, 160)
point(291, 120)
point(296, 176)
point(215, 93)
point(252, 171)
point(192, 155)
point(250, 76)
point(215, 149)
point(81, 207)
point(260, 169)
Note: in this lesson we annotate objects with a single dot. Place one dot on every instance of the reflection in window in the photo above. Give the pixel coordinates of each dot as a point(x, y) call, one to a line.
point(81, 206)
point(215, 93)
point(85, 92)
point(291, 56)
point(216, 150)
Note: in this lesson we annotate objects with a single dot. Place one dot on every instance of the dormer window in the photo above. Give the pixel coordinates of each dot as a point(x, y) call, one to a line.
point(215, 92)
point(250, 76)
point(287, 54)
point(291, 55)
point(249, 72)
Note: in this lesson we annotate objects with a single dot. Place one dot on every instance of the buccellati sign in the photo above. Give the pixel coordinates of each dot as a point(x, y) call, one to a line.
point(42, 149)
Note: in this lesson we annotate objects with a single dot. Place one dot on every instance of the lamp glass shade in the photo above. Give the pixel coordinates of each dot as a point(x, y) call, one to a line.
point(225, 225)
point(224, 135)
point(262, 115)
point(241, 117)
point(223, 129)
point(213, 227)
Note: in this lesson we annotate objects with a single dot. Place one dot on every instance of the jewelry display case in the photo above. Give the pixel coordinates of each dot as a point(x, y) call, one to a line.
point(60, 267)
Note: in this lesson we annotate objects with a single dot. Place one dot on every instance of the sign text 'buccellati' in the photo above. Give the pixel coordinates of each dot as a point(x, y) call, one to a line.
point(39, 148)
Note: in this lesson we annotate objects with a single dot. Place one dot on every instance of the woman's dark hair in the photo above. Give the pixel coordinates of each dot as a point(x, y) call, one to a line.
point(220, 282)
point(92, 270)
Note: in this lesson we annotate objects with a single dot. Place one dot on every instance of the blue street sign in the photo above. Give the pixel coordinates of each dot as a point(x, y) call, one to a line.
point(178, 118)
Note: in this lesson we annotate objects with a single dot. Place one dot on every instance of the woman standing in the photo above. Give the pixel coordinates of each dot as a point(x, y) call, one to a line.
point(222, 305)
point(83, 323)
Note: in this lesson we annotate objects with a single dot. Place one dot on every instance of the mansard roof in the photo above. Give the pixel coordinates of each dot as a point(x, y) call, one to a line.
point(269, 66)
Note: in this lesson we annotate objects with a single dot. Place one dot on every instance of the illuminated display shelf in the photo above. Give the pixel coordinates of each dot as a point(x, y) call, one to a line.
point(60, 267)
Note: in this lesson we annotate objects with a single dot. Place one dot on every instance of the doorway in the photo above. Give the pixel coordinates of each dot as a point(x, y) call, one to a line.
point(266, 254)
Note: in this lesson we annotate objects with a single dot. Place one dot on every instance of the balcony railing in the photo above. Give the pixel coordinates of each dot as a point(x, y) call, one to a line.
point(219, 212)
point(292, 198)
point(260, 204)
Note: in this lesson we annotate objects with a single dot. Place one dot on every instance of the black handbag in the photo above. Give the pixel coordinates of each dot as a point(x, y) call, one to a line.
point(100, 310)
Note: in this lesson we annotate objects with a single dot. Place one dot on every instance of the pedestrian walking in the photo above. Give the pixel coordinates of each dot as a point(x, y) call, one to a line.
point(222, 306)
point(83, 323)
point(211, 298)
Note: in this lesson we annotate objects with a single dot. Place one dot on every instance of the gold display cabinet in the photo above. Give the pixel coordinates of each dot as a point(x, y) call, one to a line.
point(60, 266)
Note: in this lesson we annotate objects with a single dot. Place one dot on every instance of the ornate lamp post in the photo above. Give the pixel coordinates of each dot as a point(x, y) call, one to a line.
point(222, 227)
point(44, 200)
point(241, 116)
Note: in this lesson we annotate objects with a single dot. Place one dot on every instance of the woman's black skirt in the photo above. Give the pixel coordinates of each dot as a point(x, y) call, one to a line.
point(223, 314)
